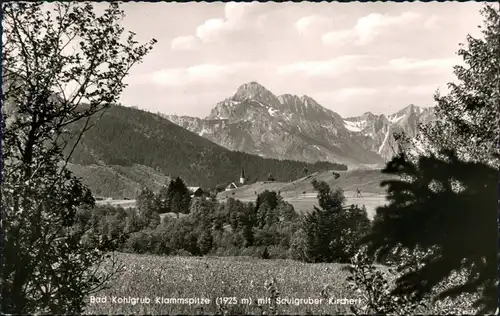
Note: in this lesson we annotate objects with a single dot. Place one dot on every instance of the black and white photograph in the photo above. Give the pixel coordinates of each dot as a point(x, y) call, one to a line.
point(250, 158)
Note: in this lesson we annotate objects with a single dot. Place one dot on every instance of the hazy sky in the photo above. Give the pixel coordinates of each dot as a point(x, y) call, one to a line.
point(350, 57)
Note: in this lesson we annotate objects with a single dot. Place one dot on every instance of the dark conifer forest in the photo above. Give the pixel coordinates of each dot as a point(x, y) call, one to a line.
point(126, 136)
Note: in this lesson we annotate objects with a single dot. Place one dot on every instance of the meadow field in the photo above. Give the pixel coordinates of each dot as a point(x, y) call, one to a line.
point(242, 281)
point(301, 194)
point(149, 284)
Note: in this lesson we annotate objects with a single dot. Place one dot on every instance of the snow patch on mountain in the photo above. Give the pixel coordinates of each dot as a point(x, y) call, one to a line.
point(354, 126)
point(395, 119)
point(204, 131)
point(385, 140)
point(272, 111)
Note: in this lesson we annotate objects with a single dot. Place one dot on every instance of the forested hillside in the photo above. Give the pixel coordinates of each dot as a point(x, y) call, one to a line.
point(126, 136)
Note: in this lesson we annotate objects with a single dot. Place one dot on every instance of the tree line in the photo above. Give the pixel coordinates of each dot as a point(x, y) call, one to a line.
point(267, 228)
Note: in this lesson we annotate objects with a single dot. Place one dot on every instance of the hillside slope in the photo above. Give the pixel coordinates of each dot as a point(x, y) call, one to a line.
point(128, 137)
point(118, 182)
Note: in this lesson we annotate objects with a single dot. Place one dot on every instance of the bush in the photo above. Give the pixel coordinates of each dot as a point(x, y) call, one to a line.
point(298, 245)
point(277, 252)
point(138, 242)
point(182, 253)
point(376, 286)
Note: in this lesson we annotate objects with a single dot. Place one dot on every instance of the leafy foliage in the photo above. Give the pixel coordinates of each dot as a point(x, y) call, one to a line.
point(50, 262)
point(468, 117)
point(375, 284)
point(210, 227)
point(376, 288)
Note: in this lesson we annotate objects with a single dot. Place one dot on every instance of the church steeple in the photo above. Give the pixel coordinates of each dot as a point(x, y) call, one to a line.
point(242, 176)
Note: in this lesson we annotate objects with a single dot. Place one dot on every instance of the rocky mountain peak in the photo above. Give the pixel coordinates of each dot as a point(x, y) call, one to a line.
point(254, 120)
point(411, 108)
point(368, 116)
point(288, 98)
point(255, 91)
point(310, 102)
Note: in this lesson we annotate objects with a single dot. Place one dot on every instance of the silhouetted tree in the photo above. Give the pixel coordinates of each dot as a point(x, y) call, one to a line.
point(178, 196)
point(333, 231)
point(445, 203)
point(146, 200)
point(162, 199)
point(262, 214)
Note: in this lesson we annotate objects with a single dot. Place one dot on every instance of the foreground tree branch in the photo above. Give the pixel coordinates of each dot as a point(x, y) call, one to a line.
point(60, 66)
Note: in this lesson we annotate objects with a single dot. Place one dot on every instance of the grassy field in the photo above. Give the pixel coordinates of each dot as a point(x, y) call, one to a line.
point(368, 181)
point(236, 278)
point(237, 285)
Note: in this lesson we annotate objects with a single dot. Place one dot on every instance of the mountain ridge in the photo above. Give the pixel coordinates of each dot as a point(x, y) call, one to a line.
point(256, 121)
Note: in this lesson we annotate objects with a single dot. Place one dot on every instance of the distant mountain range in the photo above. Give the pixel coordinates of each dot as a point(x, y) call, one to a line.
point(284, 136)
point(256, 121)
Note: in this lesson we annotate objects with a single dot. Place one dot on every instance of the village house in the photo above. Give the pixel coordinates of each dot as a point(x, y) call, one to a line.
point(234, 185)
point(195, 191)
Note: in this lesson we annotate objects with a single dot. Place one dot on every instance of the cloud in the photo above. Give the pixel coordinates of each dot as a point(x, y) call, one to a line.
point(434, 65)
point(312, 23)
point(416, 64)
point(332, 67)
point(347, 93)
point(417, 89)
point(337, 37)
point(367, 28)
point(209, 73)
point(235, 11)
point(185, 43)
point(212, 29)
point(237, 16)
